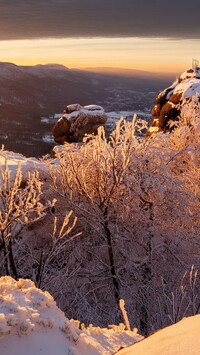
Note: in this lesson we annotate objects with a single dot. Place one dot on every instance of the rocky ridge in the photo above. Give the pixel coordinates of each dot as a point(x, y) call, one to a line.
point(169, 102)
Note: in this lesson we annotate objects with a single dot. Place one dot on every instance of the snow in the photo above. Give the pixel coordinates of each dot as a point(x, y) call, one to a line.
point(73, 107)
point(153, 129)
point(172, 87)
point(93, 108)
point(90, 110)
point(169, 94)
point(117, 114)
point(14, 159)
point(181, 338)
point(48, 138)
point(189, 87)
point(30, 322)
point(191, 73)
point(188, 84)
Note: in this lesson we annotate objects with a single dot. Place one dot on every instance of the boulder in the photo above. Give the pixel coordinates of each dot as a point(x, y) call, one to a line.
point(175, 97)
point(60, 130)
point(169, 101)
point(77, 121)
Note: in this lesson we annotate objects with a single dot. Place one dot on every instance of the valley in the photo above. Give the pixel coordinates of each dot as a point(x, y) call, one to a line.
point(30, 94)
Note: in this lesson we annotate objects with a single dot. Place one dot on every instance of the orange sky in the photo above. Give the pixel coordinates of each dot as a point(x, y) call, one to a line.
point(151, 54)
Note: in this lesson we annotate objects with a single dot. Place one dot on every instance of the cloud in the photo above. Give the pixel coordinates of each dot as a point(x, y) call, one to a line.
point(26, 19)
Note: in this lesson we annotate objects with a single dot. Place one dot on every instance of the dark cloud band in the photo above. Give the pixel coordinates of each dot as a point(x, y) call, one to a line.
point(23, 19)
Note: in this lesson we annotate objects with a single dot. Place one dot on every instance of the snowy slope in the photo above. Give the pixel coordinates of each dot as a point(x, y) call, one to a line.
point(31, 323)
point(181, 338)
point(14, 159)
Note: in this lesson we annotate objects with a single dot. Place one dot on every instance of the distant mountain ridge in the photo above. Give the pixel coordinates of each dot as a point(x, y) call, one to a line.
point(130, 72)
point(53, 85)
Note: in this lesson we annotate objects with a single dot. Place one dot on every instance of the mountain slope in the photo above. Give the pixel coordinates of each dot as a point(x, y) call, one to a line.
point(29, 92)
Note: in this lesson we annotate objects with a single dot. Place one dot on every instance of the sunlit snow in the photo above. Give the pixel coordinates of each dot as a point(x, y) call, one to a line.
point(31, 323)
point(181, 338)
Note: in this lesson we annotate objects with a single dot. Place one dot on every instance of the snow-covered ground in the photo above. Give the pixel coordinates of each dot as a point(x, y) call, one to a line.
point(13, 160)
point(181, 338)
point(31, 323)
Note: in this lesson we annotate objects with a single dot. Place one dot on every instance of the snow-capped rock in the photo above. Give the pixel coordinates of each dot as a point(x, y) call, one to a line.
point(77, 121)
point(170, 101)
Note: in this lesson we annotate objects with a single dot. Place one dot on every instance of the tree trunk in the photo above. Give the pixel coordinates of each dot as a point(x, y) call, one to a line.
point(12, 262)
point(5, 251)
point(111, 257)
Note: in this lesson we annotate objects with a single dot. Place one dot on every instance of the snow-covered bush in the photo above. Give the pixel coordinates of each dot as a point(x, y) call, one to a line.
point(137, 206)
point(24, 205)
point(19, 204)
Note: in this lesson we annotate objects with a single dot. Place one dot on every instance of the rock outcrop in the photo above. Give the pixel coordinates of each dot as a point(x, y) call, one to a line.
point(77, 121)
point(169, 101)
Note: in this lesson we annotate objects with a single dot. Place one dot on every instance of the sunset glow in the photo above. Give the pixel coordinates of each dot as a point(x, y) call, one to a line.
point(149, 54)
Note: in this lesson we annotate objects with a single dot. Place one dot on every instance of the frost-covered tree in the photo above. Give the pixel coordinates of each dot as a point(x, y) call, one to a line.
point(137, 205)
point(19, 204)
point(23, 206)
point(92, 177)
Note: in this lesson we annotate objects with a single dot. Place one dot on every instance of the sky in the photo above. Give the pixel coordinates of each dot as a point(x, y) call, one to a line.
point(153, 35)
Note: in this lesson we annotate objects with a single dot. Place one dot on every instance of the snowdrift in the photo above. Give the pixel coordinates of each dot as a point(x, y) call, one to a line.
point(30, 322)
point(181, 338)
point(13, 160)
